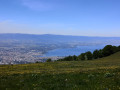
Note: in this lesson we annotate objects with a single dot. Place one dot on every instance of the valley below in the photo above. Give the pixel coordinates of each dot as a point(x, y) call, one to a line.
point(27, 48)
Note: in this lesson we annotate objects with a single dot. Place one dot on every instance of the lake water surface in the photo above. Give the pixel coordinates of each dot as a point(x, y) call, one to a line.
point(73, 51)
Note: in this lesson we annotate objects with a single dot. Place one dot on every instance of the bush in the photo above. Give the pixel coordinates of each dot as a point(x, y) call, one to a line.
point(90, 76)
point(109, 74)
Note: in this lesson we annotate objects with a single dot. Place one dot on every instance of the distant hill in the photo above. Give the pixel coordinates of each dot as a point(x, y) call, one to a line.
point(25, 48)
point(51, 39)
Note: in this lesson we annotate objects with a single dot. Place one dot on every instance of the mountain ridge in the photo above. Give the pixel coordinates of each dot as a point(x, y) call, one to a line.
point(56, 35)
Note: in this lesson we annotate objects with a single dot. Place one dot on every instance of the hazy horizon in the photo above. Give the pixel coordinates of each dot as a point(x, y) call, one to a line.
point(62, 35)
point(61, 17)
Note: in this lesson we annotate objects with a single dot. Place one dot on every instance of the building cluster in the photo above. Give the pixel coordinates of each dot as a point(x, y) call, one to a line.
point(12, 56)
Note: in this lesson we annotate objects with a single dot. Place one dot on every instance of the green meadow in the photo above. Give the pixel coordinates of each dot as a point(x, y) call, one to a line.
point(99, 74)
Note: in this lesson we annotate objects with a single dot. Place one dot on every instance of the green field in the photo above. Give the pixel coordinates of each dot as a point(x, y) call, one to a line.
point(100, 74)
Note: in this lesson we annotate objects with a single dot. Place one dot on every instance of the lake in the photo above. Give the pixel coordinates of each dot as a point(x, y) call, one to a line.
point(61, 52)
point(72, 51)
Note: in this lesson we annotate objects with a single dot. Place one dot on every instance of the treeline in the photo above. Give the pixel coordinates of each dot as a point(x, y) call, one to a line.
point(106, 51)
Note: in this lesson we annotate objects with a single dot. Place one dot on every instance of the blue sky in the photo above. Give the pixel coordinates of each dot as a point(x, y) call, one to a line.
point(65, 17)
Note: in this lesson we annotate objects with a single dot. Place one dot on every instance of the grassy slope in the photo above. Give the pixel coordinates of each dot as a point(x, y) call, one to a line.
point(83, 75)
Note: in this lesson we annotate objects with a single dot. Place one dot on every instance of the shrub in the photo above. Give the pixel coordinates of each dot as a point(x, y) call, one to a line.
point(90, 76)
point(109, 74)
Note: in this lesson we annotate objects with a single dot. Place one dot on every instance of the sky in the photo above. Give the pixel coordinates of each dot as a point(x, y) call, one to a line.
point(63, 17)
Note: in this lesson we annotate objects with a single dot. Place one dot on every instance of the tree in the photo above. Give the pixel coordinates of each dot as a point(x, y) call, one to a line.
point(118, 48)
point(48, 60)
point(115, 49)
point(96, 54)
point(75, 57)
point(89, 55)
point(69, 58)
point(81, 56)
point(108, 50)
point(37, 62)
point(100, 53)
